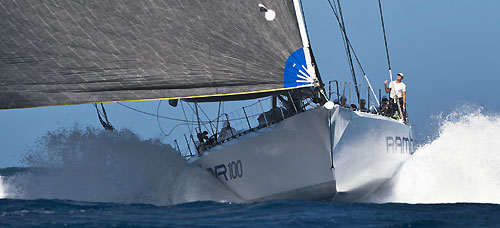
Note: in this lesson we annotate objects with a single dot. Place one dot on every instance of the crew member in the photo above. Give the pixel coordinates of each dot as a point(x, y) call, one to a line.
point(397, 91)
point(362, 105)
point(384, 107)
point(200, 144)
point(343, 101)
point(226, 132)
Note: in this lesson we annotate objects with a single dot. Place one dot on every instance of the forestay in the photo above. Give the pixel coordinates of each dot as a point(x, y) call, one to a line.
point(85, 51)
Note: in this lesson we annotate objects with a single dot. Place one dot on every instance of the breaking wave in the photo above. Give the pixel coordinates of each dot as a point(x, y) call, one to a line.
point(101, 166)
point(2, 190)
point(462, 164)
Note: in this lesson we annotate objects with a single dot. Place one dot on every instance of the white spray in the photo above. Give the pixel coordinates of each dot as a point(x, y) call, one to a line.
point(461, 165)
point(95, 165)
point(2, 191)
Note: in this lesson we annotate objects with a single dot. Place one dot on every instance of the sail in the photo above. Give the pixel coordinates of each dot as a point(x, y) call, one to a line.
point(85, 51)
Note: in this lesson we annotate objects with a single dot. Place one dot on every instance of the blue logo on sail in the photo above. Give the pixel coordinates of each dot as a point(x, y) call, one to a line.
point(296, 71)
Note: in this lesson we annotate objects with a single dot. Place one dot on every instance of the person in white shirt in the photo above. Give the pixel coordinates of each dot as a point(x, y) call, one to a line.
point(226, 132)
point(397, 91)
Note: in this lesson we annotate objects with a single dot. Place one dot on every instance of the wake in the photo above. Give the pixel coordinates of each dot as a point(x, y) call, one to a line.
point(101, 166)
point(461, 165)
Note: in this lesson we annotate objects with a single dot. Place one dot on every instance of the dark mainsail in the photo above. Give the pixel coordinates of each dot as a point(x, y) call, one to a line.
point(56, 52)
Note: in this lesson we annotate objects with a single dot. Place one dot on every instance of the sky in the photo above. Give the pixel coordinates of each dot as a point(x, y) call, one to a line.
point(448, 51)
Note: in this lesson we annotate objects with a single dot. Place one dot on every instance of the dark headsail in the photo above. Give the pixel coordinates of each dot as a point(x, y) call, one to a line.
point(85, 51)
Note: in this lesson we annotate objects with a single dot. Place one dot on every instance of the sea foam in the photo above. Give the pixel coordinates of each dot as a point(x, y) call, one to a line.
point(101, 166)
point(462, 164)
point(2, 193)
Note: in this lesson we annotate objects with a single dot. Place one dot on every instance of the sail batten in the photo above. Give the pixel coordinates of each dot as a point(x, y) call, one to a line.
point(74, 51)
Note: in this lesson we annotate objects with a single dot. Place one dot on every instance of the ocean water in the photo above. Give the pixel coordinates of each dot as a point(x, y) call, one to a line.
point(92, 178)
point(58, 213)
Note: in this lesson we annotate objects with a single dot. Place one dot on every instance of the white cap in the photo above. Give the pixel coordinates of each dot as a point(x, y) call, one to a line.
point(401, 74)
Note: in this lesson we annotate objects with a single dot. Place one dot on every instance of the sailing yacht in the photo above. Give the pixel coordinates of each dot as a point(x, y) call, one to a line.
point(83, 52)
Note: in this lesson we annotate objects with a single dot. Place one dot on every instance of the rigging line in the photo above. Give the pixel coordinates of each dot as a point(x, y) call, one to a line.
point(345, 40)
point(104, 112)
point(210, 122)
point(341, 28)
point(364, 74)
point(158, 119)
point(159, 125)
point(235, 111)
point(385, 37)
point(199, 121)
point(347, 44)
point(106, 124)
point(184, 112)
point(98, 111)
point(192, 119)
point(151, 114)
point(218, 115)
point(386, 46)
point(192, 122)
point(349, 53)
point(99, 116)
point(348, 41)
point(353, 52)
